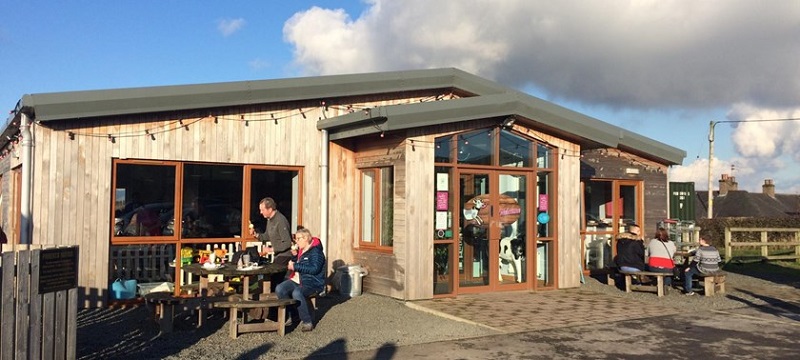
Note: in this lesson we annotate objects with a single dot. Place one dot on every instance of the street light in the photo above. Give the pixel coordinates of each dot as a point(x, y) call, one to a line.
point(711, 126)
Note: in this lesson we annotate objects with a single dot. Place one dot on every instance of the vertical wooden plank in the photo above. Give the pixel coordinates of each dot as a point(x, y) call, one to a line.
point(728, 253)
point(48, 325)
point(60, 328)
point(22, 302)
point(72, 324)
point(764, 247)
point(7, 317)
point(35, 327)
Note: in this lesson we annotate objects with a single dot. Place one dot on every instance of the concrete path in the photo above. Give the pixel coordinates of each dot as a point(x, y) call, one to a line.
point(583, 324)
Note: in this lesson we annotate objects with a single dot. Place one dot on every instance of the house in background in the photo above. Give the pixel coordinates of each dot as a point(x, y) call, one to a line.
point(437, 181)
point(729, 201)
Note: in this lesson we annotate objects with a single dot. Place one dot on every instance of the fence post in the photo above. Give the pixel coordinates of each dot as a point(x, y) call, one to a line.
point(728, 252)
point(764, 248)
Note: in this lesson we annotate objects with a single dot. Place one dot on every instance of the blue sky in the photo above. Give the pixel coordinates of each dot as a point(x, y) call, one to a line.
point(662, 69)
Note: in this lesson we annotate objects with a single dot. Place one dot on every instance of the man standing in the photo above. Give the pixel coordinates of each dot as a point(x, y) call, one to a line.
point(277, 232)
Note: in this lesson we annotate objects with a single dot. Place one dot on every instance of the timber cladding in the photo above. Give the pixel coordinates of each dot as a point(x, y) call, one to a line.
point(616, 164)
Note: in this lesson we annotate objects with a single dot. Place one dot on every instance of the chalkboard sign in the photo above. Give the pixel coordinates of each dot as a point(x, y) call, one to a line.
point(58, 269)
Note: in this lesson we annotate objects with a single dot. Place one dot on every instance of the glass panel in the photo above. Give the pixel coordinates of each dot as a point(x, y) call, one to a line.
point(627, 206)
point(543, 197)
point(597, 251)
point(512, 235)
point(543, 156)
point(367, 205)
point(476, 148)
point(474, 236)
point(544, 263)
point(598, 205)
point(442, 273)
point(387, 206)
point(442, 153)
point(212, 200)
point(144, 199)
point(443, 213)
point(282, 186)
point(515, 151)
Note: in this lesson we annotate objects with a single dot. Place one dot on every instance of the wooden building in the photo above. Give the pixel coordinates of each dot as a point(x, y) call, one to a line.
point(436, 181)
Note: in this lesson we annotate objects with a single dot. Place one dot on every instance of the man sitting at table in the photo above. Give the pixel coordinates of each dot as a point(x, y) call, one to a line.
point(306, 276)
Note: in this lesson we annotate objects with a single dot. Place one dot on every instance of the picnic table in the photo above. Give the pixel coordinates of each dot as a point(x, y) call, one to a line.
point(231, 270)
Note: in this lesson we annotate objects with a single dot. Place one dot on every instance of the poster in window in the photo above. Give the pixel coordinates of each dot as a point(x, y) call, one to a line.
point(441, 220)
point(442, 181)
point(543, 202)
point(442, 200)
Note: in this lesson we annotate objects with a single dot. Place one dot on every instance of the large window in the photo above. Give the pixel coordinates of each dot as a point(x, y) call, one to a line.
point(377, 207)
point(175, 201)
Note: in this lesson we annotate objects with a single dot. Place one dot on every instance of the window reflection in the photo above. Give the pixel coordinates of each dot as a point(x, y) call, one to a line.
point(476, 147)
point(144, 200)
point(515, 151)
point(212, 198)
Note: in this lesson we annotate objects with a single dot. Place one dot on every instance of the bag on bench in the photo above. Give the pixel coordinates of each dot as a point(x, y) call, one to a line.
point(252, 251)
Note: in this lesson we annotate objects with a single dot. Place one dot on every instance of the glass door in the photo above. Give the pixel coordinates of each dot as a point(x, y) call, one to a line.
point(512, 243)
point(474, 260)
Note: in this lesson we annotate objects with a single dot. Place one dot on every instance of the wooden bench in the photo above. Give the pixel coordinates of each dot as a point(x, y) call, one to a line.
point(660, 288)
point(236, 305)
point(713, 283)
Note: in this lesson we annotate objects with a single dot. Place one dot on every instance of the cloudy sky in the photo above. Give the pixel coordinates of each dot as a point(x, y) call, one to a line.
point(664, 69)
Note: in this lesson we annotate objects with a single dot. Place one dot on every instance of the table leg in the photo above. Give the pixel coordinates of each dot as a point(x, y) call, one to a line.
point(203, 289)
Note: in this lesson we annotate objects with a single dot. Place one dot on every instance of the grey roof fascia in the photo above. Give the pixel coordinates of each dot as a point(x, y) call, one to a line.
point(579, 126)
point(96, 103)
point(450, 111)
point(632, 141)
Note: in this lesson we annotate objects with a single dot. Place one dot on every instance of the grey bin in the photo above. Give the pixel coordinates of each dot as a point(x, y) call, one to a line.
point(350, 279)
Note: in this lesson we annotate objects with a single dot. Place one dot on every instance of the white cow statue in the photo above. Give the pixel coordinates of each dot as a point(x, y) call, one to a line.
point(512, 251)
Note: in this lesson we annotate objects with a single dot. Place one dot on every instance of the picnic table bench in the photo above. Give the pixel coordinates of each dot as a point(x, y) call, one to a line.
point(713, 283)
point(660, 288)
point(240, 304)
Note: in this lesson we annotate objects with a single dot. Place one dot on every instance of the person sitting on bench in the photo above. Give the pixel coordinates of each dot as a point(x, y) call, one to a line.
point(706, 261)
point(661, 250)
point(306, 277)
point(630, 250)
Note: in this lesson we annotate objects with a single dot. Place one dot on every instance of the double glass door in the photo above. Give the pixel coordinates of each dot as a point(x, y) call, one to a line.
point(493, 246)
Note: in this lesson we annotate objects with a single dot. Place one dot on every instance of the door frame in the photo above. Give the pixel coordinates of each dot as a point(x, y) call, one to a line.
point(494, 283)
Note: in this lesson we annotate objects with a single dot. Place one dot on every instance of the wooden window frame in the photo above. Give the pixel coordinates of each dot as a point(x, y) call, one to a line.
point(376, 243)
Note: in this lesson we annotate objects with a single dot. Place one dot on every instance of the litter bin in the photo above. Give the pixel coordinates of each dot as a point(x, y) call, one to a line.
point(350, 279)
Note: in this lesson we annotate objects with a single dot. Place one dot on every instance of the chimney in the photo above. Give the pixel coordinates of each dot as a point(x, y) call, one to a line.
point(768, 188)
point(727, 183)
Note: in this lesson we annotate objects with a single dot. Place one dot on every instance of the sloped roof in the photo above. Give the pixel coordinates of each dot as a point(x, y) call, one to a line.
point(740, 203)
point(488, 99)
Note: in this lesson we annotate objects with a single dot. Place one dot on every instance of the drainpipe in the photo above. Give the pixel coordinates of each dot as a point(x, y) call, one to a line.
point(323, 224)
point(27, 182)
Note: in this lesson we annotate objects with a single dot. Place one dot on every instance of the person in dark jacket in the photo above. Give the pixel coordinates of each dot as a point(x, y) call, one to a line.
point(306, 276)
point(630, 250)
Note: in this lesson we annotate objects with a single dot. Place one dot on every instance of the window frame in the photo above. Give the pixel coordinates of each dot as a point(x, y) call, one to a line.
point(378, 205)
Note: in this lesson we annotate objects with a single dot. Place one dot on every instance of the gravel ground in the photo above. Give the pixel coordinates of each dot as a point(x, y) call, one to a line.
point(346, 325)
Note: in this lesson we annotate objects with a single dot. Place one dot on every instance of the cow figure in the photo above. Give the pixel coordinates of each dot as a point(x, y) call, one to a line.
point(512, 251)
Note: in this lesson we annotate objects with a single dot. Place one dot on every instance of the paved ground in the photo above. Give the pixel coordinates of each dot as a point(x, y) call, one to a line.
point(616, 328)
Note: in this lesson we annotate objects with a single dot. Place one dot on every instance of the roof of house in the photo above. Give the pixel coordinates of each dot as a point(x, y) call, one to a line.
point(740, 203)
point(482, 99)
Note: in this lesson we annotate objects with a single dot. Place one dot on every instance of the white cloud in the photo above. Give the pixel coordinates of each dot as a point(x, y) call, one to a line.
point(229, 26)
point(258, 64)
point(627, 54)
point(646, 56)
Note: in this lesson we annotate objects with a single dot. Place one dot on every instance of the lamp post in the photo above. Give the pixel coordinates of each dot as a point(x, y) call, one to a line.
point(711, 126)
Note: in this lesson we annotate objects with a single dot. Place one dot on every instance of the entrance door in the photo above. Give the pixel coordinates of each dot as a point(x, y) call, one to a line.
point(493, 242)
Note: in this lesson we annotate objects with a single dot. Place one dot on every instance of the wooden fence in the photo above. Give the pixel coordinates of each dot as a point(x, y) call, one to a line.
point(34, 325)
point(769, 241)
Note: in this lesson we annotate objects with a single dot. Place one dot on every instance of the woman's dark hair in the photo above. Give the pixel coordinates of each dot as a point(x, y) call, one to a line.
point(661, 234)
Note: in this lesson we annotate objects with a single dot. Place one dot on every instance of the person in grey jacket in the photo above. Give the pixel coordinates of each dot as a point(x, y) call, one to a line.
point(706, 261)
point(277, 232)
